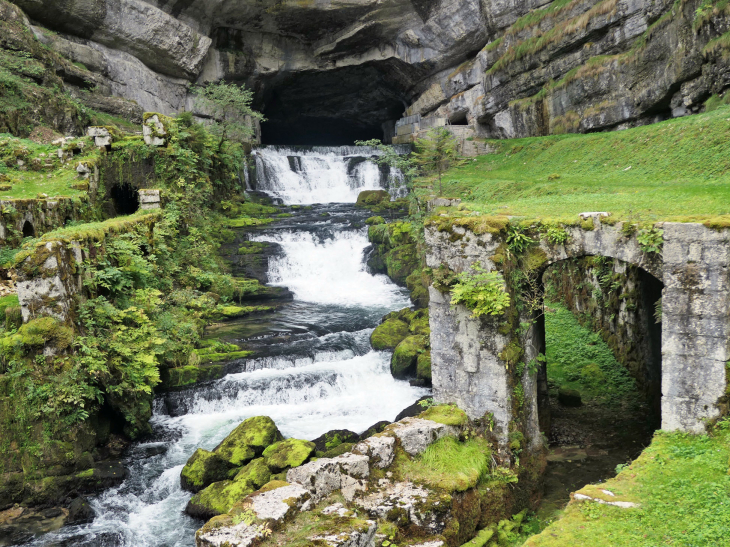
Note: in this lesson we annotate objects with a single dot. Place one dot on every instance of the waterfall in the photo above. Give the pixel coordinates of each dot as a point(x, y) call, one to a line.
point(323, 174)
point(314, 369)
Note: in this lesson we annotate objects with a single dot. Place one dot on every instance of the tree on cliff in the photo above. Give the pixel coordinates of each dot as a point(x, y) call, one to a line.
point(437, 152)
point(229, 108)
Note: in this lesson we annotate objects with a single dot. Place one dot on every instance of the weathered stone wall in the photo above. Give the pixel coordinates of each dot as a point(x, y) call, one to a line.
point(473, 359)
point(51, 274)
point(43, 215)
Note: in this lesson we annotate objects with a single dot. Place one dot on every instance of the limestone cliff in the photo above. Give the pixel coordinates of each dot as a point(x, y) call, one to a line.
point(502, 68)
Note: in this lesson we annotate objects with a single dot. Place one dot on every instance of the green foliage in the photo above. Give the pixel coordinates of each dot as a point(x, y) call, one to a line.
point(517, 240)
point(651, 240)
point(230, 107)
point(437, 153)
point(482, 292)
point(557, 235)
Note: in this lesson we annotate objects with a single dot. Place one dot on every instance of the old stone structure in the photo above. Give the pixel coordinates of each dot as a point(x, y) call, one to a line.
point(470, 355)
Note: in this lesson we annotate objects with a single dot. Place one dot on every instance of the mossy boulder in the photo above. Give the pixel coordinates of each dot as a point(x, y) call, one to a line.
point(218, 498)
point(256, 472)
point(374, 221)
point(333, 439)
point(423, 366)
point(401, 262)
point(368, 198)
point(389, 334)
point(419, 323)
point(249, 440)
point(405, 356)
point(288, 453)
point(202, 469)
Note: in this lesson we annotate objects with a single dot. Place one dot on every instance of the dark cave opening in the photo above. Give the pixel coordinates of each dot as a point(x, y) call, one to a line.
point(317, 132)
point(125, 199)
point(28, 229)
point(333, 108)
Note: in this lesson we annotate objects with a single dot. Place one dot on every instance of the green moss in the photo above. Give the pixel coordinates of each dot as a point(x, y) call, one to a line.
point(248, 440)
point(220, 497)
point(405, 356)
point(446, 414)
point(389, 334)
point(369, 198)
point(450, 465)
point(373, 221)
point(287, 454)
point(256, 472)
point(423, 366)
point(202, 469)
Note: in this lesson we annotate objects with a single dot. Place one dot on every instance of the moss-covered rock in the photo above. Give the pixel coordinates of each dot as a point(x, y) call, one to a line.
point(389, 334)
point(333, 439)
point(401, 262)
point(288, 453)
point(405, 356)
point(256, 472)
point(446, 414)
point(249, 440)
point(419, 323)
point(423, 366)
point(374, 221)
point(369, 198)
point(218, 498)
point(202, 469)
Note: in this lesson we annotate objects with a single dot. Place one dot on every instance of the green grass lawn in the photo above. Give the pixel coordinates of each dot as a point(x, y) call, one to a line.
point(43, 171)
point(674, 170)
point(682, 485)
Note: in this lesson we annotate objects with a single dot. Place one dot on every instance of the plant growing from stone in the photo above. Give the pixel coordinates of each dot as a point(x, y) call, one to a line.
point(651, 240)
point(482, 292)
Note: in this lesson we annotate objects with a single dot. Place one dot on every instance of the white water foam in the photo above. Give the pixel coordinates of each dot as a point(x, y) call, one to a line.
point(330, 271)
point(322, 174)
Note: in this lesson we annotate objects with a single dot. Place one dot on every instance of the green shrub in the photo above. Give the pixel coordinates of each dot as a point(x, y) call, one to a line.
point(482, 292)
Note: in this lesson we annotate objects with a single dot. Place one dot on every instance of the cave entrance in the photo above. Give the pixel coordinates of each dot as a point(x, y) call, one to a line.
point(125, 199)
point(28, 229)
point(599, 389)
point(334, 107)
point(459, 119)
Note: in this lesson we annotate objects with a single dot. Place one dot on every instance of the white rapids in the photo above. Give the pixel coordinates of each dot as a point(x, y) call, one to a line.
point(326, 377)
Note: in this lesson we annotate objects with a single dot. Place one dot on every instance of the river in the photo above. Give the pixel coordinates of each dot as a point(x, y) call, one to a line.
point(313, 369)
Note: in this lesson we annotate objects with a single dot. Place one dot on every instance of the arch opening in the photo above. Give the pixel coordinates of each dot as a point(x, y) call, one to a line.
point(599, 387)
point(28, 229)
point(125, 199)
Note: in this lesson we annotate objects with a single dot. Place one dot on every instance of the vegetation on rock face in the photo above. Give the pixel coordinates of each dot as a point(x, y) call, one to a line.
point(249, 439)
point(482, 292)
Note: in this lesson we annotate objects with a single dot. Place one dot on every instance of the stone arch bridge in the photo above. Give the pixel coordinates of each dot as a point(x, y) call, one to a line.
point(467, 353)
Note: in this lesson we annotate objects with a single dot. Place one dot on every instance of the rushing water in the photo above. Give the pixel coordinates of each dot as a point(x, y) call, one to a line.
point(314, 369)
point(323, 174)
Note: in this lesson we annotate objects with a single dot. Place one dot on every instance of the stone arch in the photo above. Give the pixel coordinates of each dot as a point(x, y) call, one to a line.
point(28, 229)
point(468, 354)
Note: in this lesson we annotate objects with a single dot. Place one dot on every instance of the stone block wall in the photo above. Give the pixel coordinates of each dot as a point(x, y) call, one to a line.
point(43, 215)
point(474, 359)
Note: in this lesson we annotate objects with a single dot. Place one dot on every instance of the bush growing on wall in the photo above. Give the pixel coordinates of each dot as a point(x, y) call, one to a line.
point(482, 292)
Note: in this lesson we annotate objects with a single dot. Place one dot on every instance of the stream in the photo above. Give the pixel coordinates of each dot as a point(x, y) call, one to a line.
point(313, 368)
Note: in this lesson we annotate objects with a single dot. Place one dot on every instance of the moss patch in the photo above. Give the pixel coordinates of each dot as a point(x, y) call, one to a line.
point(248, 440)
point(446, 414)
point(288, 453)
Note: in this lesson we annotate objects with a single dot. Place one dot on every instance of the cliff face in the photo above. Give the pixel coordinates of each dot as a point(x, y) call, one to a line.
point(505, 68)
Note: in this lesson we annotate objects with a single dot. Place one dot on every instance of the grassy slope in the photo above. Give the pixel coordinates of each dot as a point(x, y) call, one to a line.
point(674, 170)
point(683, 487)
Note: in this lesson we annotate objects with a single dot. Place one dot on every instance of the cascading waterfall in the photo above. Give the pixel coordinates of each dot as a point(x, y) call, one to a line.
point(315, 372)
point(322, 174)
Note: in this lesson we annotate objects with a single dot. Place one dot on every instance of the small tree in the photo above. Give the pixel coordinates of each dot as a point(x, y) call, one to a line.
point(229, 106)
point(392, 158)
point(437, 152)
